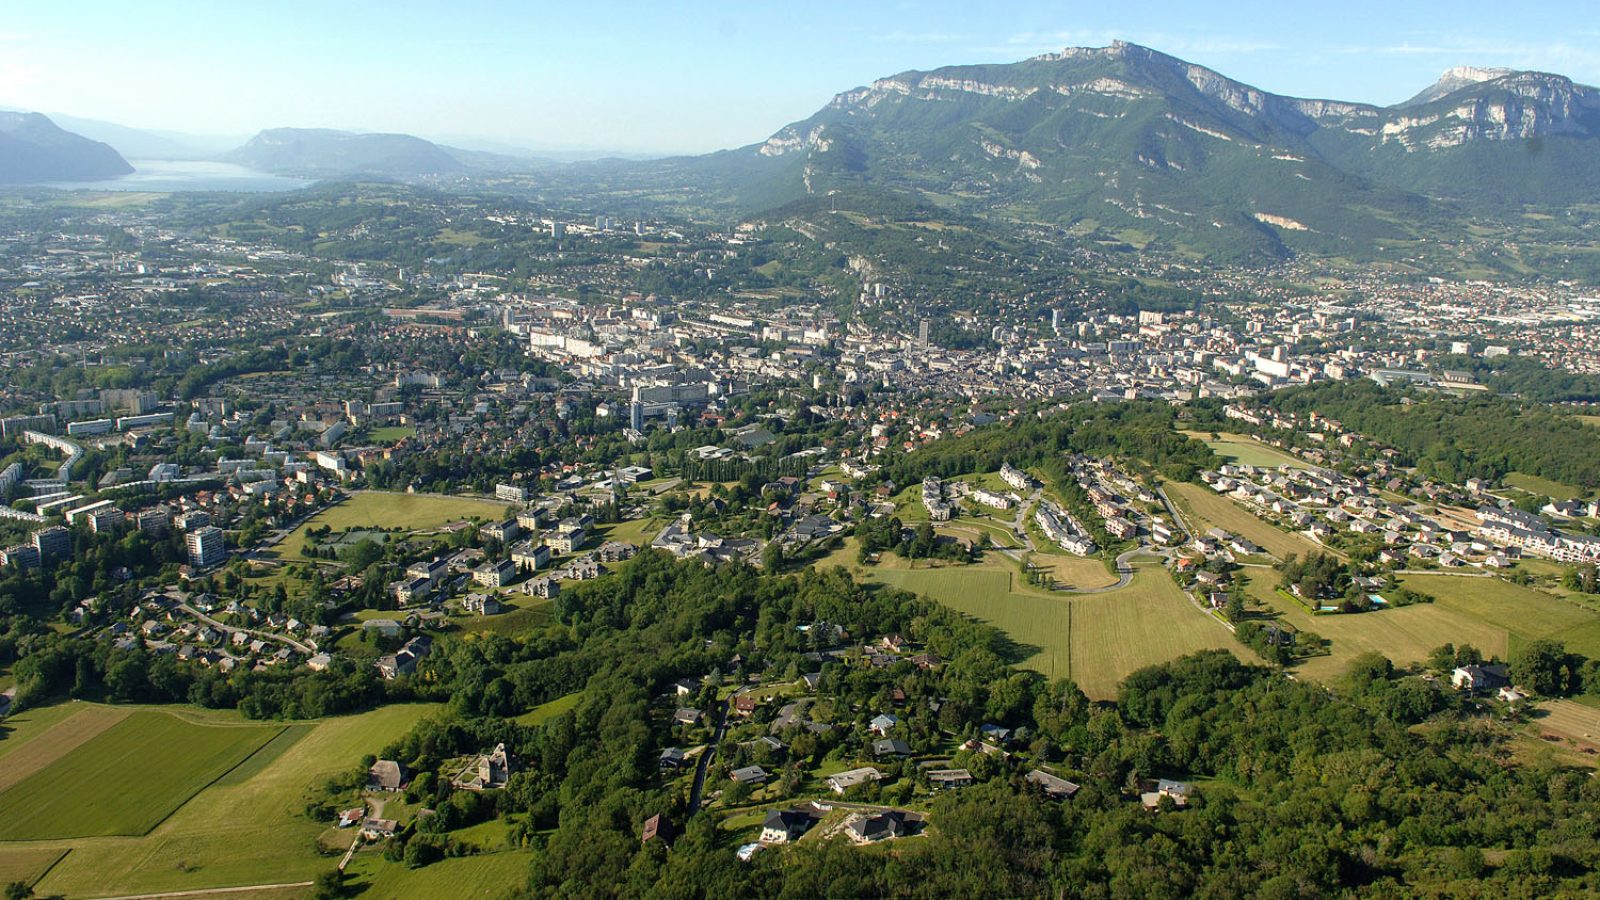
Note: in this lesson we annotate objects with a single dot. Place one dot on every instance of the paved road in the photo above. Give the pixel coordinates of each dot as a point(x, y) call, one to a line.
point(6, 696)
point(705, 760)
point(229, 629)
point(1172, 508)
point(1124, 571)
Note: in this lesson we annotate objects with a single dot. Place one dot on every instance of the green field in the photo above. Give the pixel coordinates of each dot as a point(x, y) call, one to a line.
point(377, 509)
point(18, 729)
point(1204, 508)
point(1533, 484)
point(636, 531)
point(1405, 635)
point(389, 434)
point(522, 612)
point(27, 865)
point(487, 875)
point(234, 831)
point(1095, 639)
point(1524, 614)
point(975, 528)
point(546, 711)
point(1492, 615)
point(1247, 451)
point(126, 779)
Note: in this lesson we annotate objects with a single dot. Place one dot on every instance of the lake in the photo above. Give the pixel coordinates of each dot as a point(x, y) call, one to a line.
point(169, 176)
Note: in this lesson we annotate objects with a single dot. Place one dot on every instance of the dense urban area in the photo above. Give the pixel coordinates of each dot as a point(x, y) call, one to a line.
point(372, 540)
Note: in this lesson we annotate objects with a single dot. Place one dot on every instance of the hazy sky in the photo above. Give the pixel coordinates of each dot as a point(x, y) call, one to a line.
point(694, 76)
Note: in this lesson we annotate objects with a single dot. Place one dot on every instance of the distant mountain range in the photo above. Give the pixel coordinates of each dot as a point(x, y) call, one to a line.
point(1125, 137)
point(1122, 141)
point(33, 148)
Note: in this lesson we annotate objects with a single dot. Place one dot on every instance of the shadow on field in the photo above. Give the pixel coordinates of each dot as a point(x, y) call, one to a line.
point(1010, 651)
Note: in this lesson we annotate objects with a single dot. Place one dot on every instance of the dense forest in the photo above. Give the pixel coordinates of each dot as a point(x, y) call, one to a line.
point(1528, 378)
point(1135, 432)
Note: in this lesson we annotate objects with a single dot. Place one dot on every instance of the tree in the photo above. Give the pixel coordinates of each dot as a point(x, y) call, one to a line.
point(1234, 609)
point(1443, 657)
point(1545, 667)
point(328, 886)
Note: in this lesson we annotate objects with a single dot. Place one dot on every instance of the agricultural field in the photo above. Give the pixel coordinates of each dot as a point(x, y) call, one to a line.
point(156, 760)
point(1074, 571)
point(246, 823)
point(1569, 721)
point(1405, 635)
point(27, 866)
point(1204, 508)
point(1492, 615)
point(1094, 639)
point(377, 509)
point(19, 729)
point(51, 737)
point(1524, 614)
point(1247, 451)
point(976, 529)
point(486, 875)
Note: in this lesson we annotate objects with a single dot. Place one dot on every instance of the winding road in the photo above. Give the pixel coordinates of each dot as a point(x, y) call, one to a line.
point(229, 629)
point(1124, 571)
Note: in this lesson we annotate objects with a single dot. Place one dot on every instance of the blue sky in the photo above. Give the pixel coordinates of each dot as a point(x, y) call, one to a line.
point(694, 76)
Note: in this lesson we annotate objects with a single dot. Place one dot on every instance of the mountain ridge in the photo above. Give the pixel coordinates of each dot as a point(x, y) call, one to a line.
point(331, 153)
point(33, 149)
point(1127, 137)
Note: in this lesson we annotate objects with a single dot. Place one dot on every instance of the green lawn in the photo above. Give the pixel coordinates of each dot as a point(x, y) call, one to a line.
point(232, 832)
point(522, 612)
point(126, 779)
point(377, 509)
point(1246, 451)
point(1533, 484)
point(546, 711)
point(1492, 615)
point(389, 434)
point(637, 531)
point(1096, 639)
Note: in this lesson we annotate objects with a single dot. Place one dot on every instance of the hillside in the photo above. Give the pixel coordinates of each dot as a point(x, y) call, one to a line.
point(325, 153)
point(33, 148)
point(1133, 142)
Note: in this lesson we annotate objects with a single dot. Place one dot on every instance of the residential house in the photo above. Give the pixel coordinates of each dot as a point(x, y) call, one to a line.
point(387, 775)
point(943, 779)
point(878, 827)
point(1055, 788)
point(784, 825)
point(844, 781)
